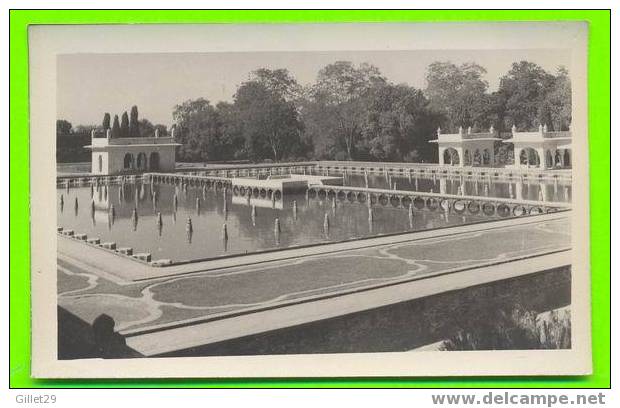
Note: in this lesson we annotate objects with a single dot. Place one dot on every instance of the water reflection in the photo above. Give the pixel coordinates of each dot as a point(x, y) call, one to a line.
point(219, 223)
point(519, 188)
point(225, 237)
point(189, 230)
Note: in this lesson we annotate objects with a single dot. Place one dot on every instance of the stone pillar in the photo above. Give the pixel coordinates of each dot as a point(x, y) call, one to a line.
point(563, 157)
point(442, 150)
point(541, 157)
point(492, 154)
point(460, 152)
point(517, 155)
point(519, 188)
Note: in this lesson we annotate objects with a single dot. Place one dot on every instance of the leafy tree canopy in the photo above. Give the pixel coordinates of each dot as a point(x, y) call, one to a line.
point(63, 127)
point(456, 91)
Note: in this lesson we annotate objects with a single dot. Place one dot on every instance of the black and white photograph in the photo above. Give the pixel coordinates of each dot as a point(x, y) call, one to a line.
point(337, 199)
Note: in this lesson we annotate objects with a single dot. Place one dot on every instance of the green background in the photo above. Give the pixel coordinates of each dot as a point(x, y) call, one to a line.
point(599, 139)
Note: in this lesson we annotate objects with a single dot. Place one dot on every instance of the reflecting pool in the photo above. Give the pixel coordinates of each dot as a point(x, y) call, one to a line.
point(183, 223)
point(526, 189)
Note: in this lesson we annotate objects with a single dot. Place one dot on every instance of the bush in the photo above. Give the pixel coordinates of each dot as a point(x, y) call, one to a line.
point(341, 156)
point(517, 329)
point(70, 148)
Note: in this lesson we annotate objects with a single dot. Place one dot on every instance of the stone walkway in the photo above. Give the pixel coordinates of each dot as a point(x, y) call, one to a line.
point(171, 301)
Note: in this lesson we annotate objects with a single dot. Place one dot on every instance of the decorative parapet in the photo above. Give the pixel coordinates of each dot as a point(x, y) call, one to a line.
point(128, 141)
point(465, 135)
point(541, 134)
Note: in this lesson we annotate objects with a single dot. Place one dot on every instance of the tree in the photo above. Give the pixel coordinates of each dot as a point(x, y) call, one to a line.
point(134, 124)
point(125, 125)
point(116, 129)
point(269, 123)
point(162, 129)
point(524, 88)
point(279, 81)
point(457, 92)
point(320, 128)
point(490, 111)
point(399, 124)
point(106, 121)
point(63, 127)
point(196, 125)
point(285, 88)
point(231, 140)
point(558, 101)
point(84, 129)
point(70, 142)
point(147, 129)
point(207, 132)
point(339, 94)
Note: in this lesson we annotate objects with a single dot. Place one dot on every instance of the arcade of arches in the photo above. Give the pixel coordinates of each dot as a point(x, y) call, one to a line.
point(471, 157)
point(141, 162)
point(549, 158)
point(543, 158)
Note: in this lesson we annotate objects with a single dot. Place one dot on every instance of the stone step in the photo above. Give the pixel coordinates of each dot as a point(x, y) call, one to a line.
point(109, 245)
point(143, 256)
point(126, 251)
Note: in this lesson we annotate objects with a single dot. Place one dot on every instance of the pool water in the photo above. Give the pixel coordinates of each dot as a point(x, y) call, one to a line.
point(559, 191)
point(315, 221)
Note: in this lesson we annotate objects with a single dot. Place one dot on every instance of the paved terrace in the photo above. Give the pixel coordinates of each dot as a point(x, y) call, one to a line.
point(203, 303)
point(223, 178)
point(392, 168)
point(325, 167)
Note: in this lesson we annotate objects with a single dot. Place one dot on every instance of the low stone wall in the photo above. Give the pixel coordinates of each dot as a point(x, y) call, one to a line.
point(400, 327)
point(404, 326)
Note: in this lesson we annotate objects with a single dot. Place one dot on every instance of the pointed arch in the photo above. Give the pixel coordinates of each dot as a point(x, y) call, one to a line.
point(451, 156)
point(486, 157)
point(154, 160)
point(467, 157)
point(548, 159)
point(141, 163)
point(529, 157)
point(128, 161)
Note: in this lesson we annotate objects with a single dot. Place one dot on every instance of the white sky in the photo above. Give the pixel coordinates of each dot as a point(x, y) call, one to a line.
point(91, 84)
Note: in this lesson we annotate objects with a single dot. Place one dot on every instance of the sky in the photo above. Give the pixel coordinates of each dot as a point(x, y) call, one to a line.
point(91, 84)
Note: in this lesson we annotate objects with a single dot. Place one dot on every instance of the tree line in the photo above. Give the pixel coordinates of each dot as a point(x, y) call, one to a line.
point(70, 140)
point(129, 126)
point(353, 112)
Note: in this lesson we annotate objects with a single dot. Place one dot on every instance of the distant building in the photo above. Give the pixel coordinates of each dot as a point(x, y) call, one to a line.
point(542, 149)
point(467, 148)
point(131, 155)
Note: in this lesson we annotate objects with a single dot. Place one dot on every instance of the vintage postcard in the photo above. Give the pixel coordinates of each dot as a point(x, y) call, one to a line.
point(303, 200)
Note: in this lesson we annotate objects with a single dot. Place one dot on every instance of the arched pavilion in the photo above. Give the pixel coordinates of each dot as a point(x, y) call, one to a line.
point(542, 149)
point(467, 148)
point(131, 155)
